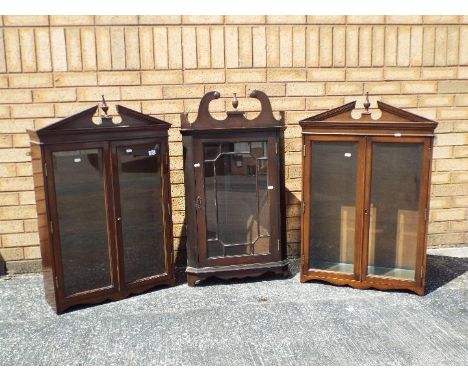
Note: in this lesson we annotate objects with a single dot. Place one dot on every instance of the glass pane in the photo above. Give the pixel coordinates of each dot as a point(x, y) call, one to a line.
point(262, 245)
point(237, 250)
point(236, 198)
point(141, 208)
point(215, 249)
point(332, 205)
point(210, 205)
point(396, 170)
point(263, 198)
point(211, 150)
point(258, 149)
point(79, 191)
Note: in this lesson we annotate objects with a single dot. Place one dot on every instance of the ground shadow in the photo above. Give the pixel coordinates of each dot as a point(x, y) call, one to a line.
point(2, 266)
point(79, 307)
point(443, 269)
point(268, 276)
point(439, 272)
point(180, 253)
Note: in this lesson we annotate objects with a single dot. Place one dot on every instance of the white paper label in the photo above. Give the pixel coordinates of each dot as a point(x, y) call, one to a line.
point(128, 150)
point(151, 152)
point(77, 160)
point(347, 155)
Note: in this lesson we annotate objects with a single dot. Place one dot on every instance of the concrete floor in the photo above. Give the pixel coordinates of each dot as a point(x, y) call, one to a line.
point(262, 322)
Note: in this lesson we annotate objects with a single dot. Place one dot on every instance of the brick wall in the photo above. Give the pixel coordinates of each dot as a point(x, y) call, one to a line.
point(53, 66)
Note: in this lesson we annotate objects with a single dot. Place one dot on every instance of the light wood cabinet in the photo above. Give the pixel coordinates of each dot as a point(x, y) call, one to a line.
point(366, 197)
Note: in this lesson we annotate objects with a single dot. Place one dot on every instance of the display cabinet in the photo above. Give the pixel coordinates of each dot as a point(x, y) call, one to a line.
point(234, 193)
point(366, 197)
point(103, 203)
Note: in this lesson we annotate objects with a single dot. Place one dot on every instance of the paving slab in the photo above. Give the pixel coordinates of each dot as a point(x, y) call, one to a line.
point(263, 321)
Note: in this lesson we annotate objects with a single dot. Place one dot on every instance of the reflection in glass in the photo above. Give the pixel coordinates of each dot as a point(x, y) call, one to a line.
point(263, 204)
point(211, 217)
point(332, 205)
point(237, 203)
point(79, 192)
point(141, 209)
point(395, 186)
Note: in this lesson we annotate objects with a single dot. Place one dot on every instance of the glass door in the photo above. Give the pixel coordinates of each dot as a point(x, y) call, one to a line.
point(239, 189)
point(140, 209)
point(395, 208)
point(79, 214)
point(333, 185)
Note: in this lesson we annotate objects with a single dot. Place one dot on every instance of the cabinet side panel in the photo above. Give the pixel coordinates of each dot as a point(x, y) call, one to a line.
point(190, 213)
point(38, 163)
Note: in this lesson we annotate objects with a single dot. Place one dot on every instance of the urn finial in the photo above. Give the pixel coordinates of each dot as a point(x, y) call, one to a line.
point(105, 109)
point(367, 104)
point(235, 102)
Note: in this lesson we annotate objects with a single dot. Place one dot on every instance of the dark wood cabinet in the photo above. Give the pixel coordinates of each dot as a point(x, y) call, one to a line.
point(103, 203)
point(234, 193)
point(366, 197)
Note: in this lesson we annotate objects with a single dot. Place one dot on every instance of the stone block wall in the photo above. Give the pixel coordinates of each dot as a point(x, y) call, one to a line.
point(53, 66)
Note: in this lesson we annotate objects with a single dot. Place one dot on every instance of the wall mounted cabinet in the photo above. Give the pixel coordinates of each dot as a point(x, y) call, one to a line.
point(366, 197)
point(103, 203)
point(234, 193)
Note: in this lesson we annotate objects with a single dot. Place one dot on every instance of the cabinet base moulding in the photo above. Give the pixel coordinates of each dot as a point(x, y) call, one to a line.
point(77, 301)
point(196, 275)
point(380, 285)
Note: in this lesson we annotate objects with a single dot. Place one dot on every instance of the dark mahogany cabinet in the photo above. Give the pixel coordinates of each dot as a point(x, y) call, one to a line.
point(103, 203)
point(234, 193)
point(366, 197)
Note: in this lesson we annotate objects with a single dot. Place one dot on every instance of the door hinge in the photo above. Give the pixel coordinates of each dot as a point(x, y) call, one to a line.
point(278, 245)
point(276, 148)
point(169, 209)
point(45, 169)
point(425, 214)
point(422, 272)
point(56, 282)
point(303, 150)
point(303, 207)
point(51, 224)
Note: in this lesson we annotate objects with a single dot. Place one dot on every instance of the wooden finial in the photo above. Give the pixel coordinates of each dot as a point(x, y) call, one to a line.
point(367, 104)
point(235, 102)
point(104, 108)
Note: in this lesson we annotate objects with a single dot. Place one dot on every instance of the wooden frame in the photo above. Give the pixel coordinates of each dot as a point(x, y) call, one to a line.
point(395, 126)
point(235, 128)
point(79, 132)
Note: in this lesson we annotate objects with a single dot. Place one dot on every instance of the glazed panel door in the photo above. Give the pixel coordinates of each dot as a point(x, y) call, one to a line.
point(396, 203)
point(238, 200)
point(333, 184)
point(141, 210)
point(80, 212)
